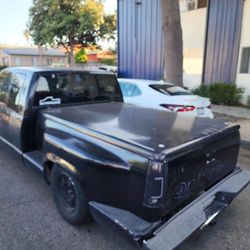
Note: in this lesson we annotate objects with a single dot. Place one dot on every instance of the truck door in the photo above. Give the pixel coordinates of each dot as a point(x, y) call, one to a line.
point(15, 108)
point(5, 82)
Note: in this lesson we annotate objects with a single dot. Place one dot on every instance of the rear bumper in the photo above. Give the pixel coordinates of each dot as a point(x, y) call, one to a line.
point(208, 113)
point(159, 236)
point(199, 213)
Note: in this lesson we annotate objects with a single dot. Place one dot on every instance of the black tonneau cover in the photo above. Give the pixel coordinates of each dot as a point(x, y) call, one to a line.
point(151, 129)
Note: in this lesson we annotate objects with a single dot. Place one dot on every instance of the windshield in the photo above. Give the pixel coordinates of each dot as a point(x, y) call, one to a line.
point(170, 89)
point(67, 88)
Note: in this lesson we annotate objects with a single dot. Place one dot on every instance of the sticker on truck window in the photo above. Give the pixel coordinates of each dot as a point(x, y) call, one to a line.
point(50, 100)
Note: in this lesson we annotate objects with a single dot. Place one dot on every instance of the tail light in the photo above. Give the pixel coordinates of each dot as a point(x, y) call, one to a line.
point(178, 108)
point(154, 195)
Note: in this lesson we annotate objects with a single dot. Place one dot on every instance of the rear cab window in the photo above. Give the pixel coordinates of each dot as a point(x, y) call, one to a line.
point(75, 87)
point(169, 89)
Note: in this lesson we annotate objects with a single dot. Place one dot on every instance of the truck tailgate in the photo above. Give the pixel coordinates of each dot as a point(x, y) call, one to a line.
point(200, 165)
point(199, 213)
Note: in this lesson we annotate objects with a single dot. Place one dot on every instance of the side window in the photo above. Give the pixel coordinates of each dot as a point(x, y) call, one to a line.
point(14, 94)
point(108, 88)
point(127, 89)
point(5, 81)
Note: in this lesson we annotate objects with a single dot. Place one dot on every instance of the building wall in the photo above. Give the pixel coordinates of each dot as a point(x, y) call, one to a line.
point(55, 60)
point(19, 60)
point(194, 29)
point(243, 80)
point(92, 57)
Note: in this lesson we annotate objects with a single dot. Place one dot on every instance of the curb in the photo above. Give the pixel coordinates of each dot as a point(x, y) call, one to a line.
point(245, 144)
point(228, 114)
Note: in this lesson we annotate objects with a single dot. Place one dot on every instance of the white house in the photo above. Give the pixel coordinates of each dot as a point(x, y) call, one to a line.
point(22, 56)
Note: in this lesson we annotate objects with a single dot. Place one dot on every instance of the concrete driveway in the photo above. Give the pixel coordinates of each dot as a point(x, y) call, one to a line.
point(29, 219)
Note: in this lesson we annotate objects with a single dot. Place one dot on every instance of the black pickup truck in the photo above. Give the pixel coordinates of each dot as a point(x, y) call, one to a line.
point(153, 176)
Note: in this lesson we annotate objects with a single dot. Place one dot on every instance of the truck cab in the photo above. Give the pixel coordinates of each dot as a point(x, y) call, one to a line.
point(26, 91)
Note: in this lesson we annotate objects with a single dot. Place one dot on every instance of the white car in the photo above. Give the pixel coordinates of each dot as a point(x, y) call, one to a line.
point(108, 68)
point(164, 96)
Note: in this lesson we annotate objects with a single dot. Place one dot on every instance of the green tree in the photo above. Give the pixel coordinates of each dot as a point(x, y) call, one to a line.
point(68, 23)
point(108, 27)
point(80, 57)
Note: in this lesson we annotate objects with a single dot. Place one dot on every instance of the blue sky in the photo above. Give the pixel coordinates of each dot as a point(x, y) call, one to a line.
point(14, 16)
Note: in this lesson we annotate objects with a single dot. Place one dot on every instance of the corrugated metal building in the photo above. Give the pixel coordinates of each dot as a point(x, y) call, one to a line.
point(141, 47)
point(140, 39)
point(224, 20)
point(212, 40)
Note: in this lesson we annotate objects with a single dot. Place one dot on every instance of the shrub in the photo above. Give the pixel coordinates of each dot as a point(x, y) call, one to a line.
point(221, 93)
point(203, 90)
point(110, 62)
point(248, 101)
point(3, 67)
point(80, 57)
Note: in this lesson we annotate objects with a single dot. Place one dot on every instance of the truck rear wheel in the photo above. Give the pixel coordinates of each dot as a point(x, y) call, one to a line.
point(69, 197)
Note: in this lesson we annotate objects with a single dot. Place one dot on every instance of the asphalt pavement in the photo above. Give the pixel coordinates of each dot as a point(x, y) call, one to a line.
point(29, 219)
point(236, 115)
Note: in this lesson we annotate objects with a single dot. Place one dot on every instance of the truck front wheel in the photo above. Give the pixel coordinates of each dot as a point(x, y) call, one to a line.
point(69, 197)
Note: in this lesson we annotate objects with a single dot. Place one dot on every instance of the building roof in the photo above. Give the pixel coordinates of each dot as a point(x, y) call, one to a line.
point(59, 69)
point(33, 52)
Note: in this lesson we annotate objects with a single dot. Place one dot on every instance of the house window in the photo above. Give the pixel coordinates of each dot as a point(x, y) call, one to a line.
point(202, 4)
point(49, 61)
point(187, 5)
point(17, 61)
point(5, 61)
point(34, 61)
point(245, 61)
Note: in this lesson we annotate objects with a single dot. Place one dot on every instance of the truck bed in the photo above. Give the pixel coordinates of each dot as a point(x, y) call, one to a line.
point(149, 129)
point(196, 153)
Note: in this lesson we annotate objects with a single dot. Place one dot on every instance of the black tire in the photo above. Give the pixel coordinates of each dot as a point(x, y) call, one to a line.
point(69, 197)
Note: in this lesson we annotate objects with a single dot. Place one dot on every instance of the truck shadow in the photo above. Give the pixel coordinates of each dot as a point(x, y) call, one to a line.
point(29, 218)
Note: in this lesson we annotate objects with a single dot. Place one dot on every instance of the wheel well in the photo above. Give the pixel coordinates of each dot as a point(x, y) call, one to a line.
point(48, 167)
point(47, 171)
